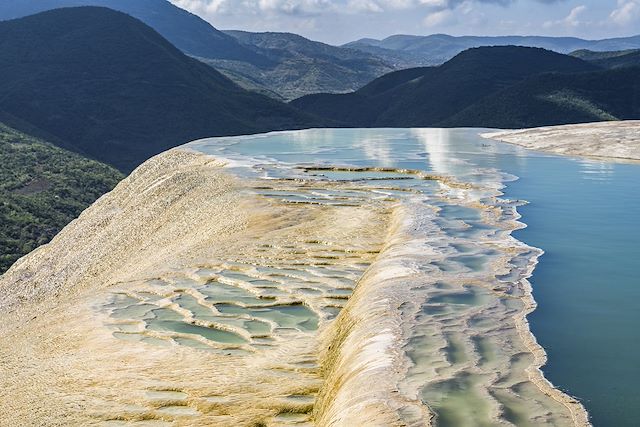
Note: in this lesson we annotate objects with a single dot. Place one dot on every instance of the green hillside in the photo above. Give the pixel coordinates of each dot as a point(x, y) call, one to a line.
point(42, 188)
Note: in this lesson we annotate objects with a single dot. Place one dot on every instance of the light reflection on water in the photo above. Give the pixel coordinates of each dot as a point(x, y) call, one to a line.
point(583, 213)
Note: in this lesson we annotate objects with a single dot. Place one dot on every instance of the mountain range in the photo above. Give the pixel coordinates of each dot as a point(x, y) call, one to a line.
point(408, 50)
point(502, 86)
point(104, 84)
point(287, 66)
point(281, 65)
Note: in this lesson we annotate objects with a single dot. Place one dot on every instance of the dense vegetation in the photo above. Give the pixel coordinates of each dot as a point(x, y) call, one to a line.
point(438, 48)
point(431, 96)
point(615, 59)
point(106, 85)
point(42, 188)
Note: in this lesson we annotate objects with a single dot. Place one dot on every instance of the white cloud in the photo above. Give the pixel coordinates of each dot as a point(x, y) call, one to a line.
point(447, 15)
point(202, 6)
point(627, 12)
point(572, 20)
point(436, 4)
point(252, 7)
point(364, 6)
point(440, 17)
point(338, 21)
point(294, 7)
point(304, 7)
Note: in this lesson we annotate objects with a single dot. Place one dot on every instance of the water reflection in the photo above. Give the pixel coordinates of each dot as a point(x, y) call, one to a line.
point(596, 170)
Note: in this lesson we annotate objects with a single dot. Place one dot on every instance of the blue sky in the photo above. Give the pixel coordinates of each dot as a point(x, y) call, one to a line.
point(339, 21)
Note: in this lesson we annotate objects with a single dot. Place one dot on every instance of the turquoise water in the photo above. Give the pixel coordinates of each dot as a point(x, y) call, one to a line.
point(585, 216)
point(582, 213)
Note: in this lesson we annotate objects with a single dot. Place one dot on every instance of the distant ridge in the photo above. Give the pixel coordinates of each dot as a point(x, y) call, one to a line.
point(438, 48)
point(615, 59)
point(104, 84)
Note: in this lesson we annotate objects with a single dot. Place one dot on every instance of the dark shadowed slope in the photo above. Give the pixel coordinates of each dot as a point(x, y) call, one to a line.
point(112, 88)
point(555, 99)
point(186, 31)
point(429, 96)
point(42, 188)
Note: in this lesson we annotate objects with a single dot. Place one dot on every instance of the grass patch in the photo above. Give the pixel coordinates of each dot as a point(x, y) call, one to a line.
point(571, 100)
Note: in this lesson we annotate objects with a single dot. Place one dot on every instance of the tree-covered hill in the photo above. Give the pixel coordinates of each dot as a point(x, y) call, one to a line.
point(42, 188)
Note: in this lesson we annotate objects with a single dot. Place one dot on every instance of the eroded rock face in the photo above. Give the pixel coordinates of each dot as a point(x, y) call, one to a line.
point(193, 297)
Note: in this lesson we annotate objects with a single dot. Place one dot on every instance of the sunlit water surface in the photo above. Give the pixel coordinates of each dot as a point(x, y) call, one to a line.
point(582, 213)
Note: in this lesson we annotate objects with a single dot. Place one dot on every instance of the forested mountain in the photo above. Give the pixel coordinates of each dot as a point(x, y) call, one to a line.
point(106, 85)
point(286, 66)
point(186, 31)
point(431, 96)
point(281, 65)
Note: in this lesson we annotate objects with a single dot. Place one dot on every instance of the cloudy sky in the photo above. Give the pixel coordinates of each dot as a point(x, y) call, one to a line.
point(340, 21)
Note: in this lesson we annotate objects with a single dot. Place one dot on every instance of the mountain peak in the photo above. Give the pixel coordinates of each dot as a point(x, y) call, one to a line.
point(188, 32)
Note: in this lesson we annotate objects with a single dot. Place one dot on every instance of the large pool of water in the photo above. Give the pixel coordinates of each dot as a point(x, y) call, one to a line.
point(582, 213)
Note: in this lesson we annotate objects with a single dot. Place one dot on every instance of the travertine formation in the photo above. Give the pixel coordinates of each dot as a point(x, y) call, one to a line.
point(184, 296)
point(618, 141)
point(344, 297)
